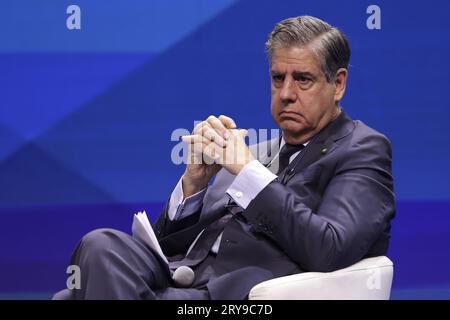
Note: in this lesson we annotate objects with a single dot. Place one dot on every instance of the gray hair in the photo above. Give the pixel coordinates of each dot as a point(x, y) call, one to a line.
point(328, 43)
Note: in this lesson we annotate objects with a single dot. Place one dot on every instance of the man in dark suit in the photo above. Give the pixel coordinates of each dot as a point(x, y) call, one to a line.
point(321, 199)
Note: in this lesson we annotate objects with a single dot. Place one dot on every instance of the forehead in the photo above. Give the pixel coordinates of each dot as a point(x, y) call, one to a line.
point(296, 58)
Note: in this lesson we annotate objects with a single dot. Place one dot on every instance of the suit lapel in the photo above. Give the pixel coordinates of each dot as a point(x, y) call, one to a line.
point(267, 150)
point(321, 144)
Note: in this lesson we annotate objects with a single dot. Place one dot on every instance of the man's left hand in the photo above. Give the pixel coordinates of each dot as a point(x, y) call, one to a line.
point(236, 154)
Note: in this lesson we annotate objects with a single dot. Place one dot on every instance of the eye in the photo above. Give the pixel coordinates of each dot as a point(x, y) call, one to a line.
point(277, 78)
point(303, 79)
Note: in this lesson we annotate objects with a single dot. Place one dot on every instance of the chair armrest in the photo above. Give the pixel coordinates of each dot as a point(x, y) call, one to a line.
point(367, 279)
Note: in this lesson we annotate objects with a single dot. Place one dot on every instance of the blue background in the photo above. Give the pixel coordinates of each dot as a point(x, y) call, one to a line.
point(86, 117)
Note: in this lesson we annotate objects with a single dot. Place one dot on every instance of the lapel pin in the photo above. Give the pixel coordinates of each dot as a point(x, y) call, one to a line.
point(324, 150)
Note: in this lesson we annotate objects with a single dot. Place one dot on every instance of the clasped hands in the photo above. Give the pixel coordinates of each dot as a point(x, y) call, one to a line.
point(214, 144)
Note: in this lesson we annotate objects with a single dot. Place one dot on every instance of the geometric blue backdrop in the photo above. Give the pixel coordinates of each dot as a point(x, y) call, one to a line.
point(86, 117)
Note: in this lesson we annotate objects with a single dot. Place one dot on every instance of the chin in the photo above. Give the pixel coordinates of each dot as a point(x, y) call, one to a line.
point(291, 126)
point(292, 130)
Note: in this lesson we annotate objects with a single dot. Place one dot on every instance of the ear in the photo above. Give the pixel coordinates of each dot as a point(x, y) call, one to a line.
point(340, 82)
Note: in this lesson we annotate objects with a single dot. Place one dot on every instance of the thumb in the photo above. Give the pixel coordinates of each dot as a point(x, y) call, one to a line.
point(243, 132)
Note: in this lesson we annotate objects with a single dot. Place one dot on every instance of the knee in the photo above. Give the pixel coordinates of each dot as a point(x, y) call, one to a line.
point(98, 243)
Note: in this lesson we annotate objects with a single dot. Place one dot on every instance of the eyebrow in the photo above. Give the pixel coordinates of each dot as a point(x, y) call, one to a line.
point(306, 74)
point(295, 74)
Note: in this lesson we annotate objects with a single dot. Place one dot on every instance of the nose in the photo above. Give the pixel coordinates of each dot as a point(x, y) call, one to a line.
point(288, 93)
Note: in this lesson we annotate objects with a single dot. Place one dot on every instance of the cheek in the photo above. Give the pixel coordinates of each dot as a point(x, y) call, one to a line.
point(311, 109)
point(327, 95)
point(315, 105)
point(274, 112)
point(275, 105)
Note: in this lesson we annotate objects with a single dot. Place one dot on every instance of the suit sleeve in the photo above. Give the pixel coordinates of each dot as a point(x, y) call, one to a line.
point(180, 207)
point(355, 208)
point(179, 213)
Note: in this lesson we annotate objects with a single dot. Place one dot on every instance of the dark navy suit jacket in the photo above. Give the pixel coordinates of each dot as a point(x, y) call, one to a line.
point(329, 209)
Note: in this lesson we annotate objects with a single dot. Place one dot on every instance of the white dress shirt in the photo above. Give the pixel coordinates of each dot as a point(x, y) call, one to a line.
point(252, 179)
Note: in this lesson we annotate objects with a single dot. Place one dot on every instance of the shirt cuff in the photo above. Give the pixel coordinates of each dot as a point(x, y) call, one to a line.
point(252, 179)
point(180, 208)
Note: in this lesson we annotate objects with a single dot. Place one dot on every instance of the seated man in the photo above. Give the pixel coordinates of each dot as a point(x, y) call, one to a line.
point(321, 200)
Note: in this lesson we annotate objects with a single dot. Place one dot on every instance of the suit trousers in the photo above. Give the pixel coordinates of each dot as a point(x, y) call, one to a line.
point(114, 265)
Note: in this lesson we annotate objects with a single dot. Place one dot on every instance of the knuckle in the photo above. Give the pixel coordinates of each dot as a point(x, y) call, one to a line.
point(198, 127)
point(204, 130)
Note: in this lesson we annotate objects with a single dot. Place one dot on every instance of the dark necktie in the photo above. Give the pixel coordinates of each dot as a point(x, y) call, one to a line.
point(285, 154)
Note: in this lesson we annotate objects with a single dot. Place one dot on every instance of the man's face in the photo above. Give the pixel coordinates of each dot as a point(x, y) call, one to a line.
point(303, 102)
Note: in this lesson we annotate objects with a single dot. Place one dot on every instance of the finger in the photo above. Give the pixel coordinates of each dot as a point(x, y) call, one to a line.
point(210, 153)
point(215, 152)
point(193, 138)
point(227, 122)
point(243, 132)
point(212, 135)
point(197, 139)
point(196, 143)
point(217, 125)
point(199, 127)
point(239, 132)
point(200, 145)
point(196, 148)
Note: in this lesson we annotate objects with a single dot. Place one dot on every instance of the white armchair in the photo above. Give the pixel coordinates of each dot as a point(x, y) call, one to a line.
point(368, 279)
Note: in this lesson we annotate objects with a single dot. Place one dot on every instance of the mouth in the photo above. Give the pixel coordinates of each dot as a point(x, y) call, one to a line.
point(290, 115)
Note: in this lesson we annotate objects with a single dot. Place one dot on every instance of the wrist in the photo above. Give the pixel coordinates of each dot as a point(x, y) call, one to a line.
point(237, 168)
point(191, 186)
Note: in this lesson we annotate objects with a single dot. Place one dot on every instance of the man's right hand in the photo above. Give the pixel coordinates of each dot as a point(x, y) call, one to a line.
point(199, 170)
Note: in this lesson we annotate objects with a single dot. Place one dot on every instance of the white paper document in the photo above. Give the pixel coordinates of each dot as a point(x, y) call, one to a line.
point(143, 231)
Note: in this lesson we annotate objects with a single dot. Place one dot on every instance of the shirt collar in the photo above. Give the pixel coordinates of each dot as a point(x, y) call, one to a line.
point(283, 142)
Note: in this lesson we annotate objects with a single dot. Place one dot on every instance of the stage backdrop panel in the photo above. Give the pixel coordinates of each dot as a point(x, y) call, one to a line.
point(86, 117)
